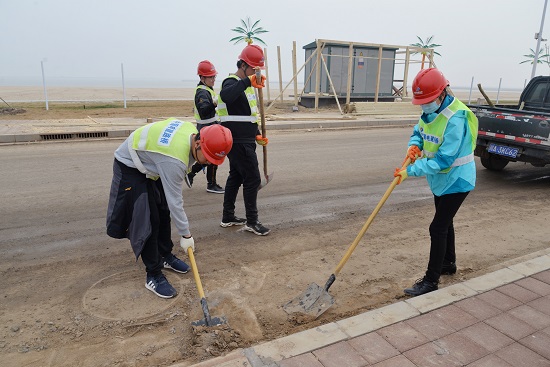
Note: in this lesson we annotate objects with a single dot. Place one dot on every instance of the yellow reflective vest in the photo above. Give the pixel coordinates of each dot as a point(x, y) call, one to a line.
point(169, 137)
point(251, 96)
point(432, 133)
point(196, 111)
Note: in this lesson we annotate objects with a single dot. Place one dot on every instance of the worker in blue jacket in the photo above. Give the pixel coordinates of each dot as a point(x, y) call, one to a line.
point(442, 149)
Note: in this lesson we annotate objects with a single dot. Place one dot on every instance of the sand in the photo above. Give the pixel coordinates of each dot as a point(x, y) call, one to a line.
point(36, 93)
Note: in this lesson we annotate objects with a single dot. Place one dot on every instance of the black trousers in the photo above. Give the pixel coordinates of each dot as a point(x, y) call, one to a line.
point(159, 244)
point(243, 170)
point(442, 233)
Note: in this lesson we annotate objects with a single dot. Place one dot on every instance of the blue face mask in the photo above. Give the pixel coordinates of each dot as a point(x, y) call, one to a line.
point(430, 107)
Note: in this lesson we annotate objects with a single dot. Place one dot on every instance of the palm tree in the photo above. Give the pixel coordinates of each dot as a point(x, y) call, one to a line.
point(543, 58)
point(425, 44)
point(248, 32)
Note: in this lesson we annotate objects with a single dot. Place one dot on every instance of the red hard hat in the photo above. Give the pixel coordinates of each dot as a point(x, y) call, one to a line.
point(216, 142)
point(428, 85)
point(206, 68)
point(253, 56)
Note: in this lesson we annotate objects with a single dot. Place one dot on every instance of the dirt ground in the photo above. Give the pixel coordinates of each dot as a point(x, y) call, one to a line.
point(135, 109)
point(70, 294)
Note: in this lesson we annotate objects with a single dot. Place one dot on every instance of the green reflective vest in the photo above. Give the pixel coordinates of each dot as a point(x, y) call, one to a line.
point(251, 96)
point(196, 111)
point(170, 137)
point(432, 133)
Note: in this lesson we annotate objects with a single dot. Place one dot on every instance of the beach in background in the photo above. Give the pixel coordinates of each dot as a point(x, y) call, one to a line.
point(93, 94)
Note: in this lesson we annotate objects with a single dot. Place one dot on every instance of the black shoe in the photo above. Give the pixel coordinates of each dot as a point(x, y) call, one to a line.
point(448, 268)
point(421, 286)
point(235, 221)
point(173, 263)
point(257, 228)
point(159, 285)
point(215, 189)
point(189, 179)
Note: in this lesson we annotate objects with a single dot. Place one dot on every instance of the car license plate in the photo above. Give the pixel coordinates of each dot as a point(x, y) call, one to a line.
point(503, 150)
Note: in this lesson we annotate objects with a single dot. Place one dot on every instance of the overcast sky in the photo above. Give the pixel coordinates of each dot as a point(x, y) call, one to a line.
point(165, 39)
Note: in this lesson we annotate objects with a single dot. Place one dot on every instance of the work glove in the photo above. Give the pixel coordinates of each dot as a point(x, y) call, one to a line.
point(215, 101)
point(187, 242)
point(261, 140)
point(413, 153)
point(254, 81)
point(401, 173)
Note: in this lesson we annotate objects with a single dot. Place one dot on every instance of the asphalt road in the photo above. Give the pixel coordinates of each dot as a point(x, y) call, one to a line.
point(54, 195)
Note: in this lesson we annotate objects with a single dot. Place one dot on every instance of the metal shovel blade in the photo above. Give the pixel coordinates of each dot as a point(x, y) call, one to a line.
point(208, 320)
point(313, 302)
point(265, 181)
point(214, 321)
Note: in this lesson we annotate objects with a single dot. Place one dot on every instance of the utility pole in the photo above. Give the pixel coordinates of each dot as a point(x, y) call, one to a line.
point(44, 82)
point(538, 36)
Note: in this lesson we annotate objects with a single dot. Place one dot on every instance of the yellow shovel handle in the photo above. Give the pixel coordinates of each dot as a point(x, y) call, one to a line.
point(369, 221)
point(195, 271)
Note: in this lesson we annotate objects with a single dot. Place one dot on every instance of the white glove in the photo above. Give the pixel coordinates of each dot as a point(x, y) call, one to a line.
point(215, 100)
point(185, 243)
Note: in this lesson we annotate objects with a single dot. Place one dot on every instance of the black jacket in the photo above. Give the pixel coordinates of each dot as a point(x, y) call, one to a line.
point(204, 103)
point(232, 94)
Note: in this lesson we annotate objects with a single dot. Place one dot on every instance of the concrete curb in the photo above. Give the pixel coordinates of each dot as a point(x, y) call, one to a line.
point(112, 132)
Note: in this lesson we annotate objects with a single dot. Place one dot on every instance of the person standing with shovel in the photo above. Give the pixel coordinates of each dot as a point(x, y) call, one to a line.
point(238, 111)
point(446, 134)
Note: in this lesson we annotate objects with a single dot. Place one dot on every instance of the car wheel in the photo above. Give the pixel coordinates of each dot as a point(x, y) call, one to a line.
point(493, 162)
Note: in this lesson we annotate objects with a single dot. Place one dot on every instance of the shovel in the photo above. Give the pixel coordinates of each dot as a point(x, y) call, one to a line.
point(315, 300)
point(208, 321)
point(267, 177)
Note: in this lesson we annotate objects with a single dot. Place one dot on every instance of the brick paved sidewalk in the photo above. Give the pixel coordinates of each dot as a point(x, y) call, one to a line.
point(505, 327)
point(501, 319)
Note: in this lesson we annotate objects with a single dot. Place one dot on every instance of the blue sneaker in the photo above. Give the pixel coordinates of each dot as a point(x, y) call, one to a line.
point(159, 285)
point(173, 263)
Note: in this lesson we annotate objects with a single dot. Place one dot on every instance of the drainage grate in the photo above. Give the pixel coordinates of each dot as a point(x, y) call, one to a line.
point(56, 136)
point(103, 134)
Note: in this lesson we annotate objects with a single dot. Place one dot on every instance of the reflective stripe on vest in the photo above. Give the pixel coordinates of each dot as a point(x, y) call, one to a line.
point(432, 133)
point(169, 137)
point(196, 111)
point(250, 96)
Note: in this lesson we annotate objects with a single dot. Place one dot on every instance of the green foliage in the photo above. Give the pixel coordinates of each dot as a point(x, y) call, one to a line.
point(94, 106)
point(248, 32)
point(425, 44)
point(543, 57)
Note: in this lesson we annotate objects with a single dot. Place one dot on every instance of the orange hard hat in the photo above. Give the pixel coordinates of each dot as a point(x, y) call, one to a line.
point(253, 56)
point(428, 85)
point(216, 142)
point(206, 68)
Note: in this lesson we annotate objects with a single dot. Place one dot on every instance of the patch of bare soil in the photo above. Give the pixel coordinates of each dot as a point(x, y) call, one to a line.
point(76, 317)
point(11, 111)
point(135, 109)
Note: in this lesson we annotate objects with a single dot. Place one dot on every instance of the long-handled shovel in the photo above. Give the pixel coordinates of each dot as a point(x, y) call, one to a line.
point(208, 321)
point(267, 177)
point(315, 299)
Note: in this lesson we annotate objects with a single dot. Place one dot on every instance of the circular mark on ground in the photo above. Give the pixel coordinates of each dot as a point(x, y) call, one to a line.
point(123, 296)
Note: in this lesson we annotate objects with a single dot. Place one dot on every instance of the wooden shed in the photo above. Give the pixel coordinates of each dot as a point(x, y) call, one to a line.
point(355, 71)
